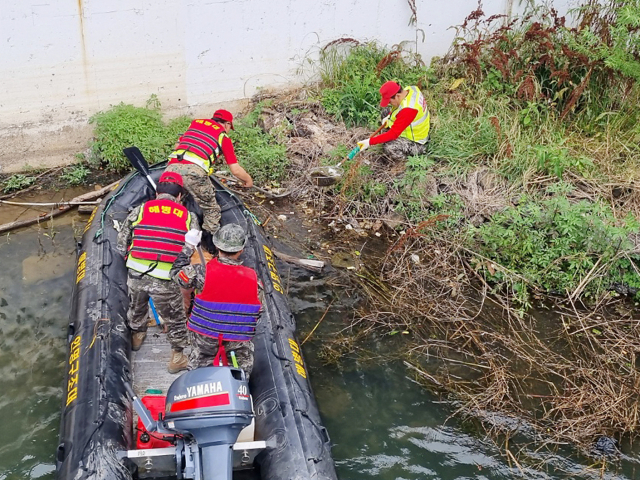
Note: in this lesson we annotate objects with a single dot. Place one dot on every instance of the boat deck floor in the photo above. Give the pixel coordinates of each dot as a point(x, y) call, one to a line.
point(150, 363)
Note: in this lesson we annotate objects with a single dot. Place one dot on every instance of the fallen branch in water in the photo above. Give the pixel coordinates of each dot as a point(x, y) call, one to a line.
point(258, 189)
point(64, 207)
point(319, 322)
point(49, 204)
point(313, 265)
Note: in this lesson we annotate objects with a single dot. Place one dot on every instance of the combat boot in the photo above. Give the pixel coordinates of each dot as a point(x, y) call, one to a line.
point(136, 340)
point(178, 362)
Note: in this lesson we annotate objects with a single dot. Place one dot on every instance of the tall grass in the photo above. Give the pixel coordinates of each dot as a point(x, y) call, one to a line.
point(259, 152)
point(352, 77)
point(529, 103)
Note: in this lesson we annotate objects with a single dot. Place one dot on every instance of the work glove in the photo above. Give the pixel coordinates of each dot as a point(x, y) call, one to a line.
point(192, 237)
point(385, 120)
point(364, 144)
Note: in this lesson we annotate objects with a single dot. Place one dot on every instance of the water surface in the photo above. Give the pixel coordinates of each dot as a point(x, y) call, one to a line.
point(383, 425)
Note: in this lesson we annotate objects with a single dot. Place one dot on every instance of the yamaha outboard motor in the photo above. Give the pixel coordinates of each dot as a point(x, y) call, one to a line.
point(207, 407)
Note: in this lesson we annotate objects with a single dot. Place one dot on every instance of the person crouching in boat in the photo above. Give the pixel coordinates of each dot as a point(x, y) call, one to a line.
point(150, 239)
point(227, 306)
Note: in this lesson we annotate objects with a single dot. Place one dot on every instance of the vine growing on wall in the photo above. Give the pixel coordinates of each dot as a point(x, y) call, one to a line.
point(413, 20)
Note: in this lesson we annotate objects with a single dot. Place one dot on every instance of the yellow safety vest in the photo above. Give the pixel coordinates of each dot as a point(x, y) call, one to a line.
point(418, 131)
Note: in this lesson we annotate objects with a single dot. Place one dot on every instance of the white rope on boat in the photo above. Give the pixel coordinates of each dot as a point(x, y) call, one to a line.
point(50, 204)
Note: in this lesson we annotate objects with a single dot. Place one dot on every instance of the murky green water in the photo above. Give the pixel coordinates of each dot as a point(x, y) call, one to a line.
point(383, 425)
point(35, 286)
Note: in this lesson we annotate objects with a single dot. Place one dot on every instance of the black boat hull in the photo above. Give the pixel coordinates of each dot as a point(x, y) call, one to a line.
point(96, 412)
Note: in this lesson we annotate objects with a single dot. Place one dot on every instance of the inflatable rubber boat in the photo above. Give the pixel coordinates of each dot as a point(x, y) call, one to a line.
point(188, 425)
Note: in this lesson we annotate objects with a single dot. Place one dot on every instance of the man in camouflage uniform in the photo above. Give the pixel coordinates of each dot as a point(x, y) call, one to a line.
point(198, 184)
point(150, 239)
point(224, 284)
point(194, 156)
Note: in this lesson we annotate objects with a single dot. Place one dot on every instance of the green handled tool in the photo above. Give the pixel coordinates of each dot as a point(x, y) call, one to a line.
point(233, 359)
point(328, 175)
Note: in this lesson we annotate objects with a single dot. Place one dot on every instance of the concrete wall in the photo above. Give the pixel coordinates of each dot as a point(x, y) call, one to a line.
point(64, 60)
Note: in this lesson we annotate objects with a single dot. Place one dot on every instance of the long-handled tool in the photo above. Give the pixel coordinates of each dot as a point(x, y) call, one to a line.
point(328, 175)
point(162, 326)
point(139, 162)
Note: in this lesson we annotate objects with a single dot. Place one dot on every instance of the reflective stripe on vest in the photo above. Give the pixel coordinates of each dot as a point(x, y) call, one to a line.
point(158, 237)
point(228, 304)
point(418, 130)
point(200, 144)
point(235, 321)
point(154, 269)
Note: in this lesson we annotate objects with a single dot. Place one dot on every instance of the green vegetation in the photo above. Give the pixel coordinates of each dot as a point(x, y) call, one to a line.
point(555, 244)
point(17, 182)
point(75, 175)
point(125, 125)
point(352, 81)
point(529, 187)
point(259, 152)
point(550, 111)
point(262, 154)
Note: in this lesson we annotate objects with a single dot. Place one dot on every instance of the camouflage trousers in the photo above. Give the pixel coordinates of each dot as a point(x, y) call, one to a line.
point(204, 349)
point(401, 148)
point(168, 302)
point(197, 183)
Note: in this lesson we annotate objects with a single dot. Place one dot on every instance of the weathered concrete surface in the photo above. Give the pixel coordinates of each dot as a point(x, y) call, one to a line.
point(49, 143)
point(38, 145)
point(63, 61)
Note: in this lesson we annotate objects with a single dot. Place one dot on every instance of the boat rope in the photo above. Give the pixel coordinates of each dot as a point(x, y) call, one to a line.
point(49, 204)
point(252, 216)
point(119, 192)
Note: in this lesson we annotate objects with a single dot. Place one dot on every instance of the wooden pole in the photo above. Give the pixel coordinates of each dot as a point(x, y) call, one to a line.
point(313, 265)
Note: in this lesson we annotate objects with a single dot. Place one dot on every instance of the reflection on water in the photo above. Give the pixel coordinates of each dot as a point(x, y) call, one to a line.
point(382, 424)
point(35, 286)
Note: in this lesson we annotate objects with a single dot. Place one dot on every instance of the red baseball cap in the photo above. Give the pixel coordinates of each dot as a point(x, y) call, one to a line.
point(171, 177)
point(388, 90)
point(224, 115)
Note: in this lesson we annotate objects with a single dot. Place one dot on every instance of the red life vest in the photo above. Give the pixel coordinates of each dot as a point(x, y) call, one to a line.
point(158, 234)
point(200, 144)
point(228, 304)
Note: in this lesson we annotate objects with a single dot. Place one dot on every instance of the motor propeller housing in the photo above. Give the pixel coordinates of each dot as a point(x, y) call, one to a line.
point(206, 408)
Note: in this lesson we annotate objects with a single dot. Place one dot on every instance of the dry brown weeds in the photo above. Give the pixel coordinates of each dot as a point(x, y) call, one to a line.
point(569, 376)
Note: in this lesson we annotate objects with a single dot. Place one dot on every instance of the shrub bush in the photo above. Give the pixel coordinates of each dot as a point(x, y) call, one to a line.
point(556, 244)
point(125, 125)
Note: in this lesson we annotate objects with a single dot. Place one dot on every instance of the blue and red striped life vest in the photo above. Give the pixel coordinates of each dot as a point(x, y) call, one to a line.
point(228, 304)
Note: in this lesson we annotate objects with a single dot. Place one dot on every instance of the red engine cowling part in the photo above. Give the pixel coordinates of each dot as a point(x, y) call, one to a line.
point(155, 404)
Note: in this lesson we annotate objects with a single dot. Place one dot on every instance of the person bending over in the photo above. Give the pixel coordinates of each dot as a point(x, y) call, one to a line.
point(194, 156)
point(408, 122)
